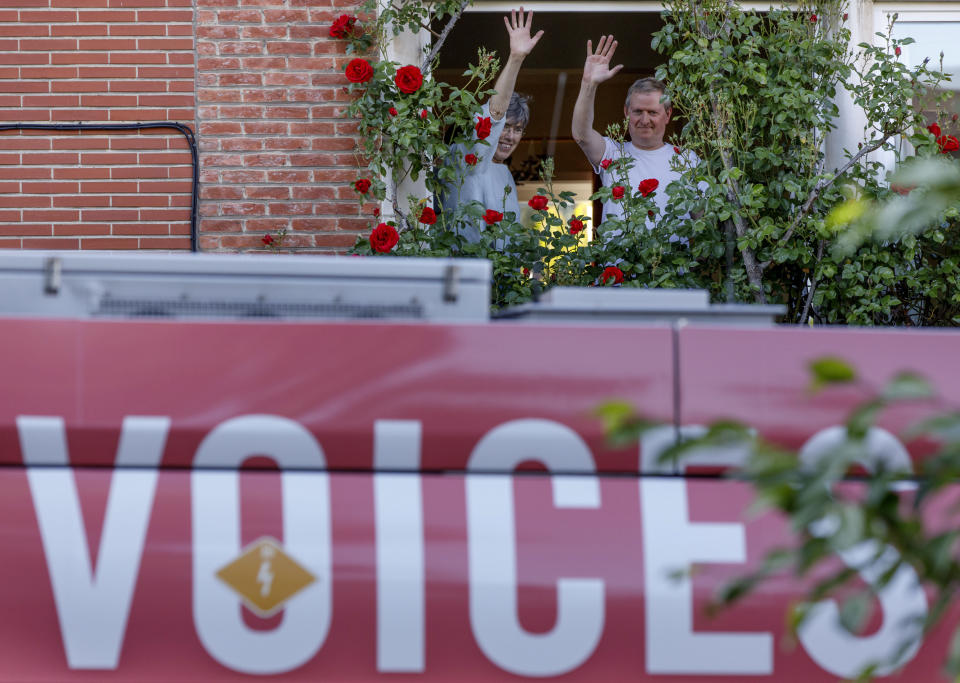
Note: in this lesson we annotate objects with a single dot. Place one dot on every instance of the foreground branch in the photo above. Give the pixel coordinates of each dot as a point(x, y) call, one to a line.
point(443, 36)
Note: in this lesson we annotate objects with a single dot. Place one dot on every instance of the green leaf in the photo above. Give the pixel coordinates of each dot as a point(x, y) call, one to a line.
point(831, 370)
point(855, 610)
point(907, 386)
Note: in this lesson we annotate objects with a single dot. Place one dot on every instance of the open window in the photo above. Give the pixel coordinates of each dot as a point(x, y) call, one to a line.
point(551, 75)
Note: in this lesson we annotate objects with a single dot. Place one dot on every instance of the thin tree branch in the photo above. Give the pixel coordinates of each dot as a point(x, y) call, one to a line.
point(824, 183)
point(812, 288)
point(443, 35)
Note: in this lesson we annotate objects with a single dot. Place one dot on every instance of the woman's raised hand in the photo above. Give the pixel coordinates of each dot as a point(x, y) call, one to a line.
point(518, 28)
point(597, 69)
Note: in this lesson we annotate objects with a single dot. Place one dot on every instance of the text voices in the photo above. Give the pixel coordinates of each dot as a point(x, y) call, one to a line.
point(93, 608)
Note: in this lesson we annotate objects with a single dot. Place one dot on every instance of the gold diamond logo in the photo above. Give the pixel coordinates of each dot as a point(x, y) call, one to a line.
point(265, 577)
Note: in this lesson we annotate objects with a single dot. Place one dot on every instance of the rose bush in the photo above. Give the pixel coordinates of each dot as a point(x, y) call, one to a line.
point(748, 222)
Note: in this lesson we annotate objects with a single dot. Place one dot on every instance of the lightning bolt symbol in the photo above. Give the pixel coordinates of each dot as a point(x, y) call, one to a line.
point(265, 576)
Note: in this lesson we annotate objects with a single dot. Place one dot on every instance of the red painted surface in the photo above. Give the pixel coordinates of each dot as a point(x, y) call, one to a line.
point(460, 383)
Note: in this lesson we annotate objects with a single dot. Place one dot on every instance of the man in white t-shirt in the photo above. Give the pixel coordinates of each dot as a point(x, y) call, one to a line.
point(648, 114)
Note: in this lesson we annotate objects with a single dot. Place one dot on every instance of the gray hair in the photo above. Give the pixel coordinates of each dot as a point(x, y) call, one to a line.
point(649, 85)
point(519, 109)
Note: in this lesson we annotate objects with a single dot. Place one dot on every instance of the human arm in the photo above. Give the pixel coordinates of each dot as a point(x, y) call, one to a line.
point(521, 44)
point(596, 70)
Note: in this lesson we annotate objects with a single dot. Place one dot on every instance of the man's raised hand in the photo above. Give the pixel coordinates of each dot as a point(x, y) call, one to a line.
point(518, 27)
point(597, 69)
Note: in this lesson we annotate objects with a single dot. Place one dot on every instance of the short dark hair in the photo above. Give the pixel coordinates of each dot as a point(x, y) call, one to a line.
point(519, 108)
point(649, 85)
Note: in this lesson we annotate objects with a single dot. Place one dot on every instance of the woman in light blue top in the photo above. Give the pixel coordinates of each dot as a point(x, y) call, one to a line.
point(487, 180)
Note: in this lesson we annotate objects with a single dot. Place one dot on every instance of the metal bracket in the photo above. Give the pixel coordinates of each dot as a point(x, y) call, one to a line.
point(52, 275)
point(450, 278)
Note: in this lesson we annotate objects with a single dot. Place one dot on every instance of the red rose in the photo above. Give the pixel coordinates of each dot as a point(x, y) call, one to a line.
point(408, 79)
point(676, 150)
point(955, 117)
point(605, 164)
point(267, 240)
point(538, 202)
point(897, 50)
point(359, 71)
point(845, 16)
point(650, 213)
point(492, 216)
point(813, 18)
point(935, 129)
point(428, 216)
point(618, 192)
point(470, 159)
point(393, 111)
point(362, 186)
point(526, 272)
point(343, 26)
point(948, 143)
point(611, 272)
point(384, 238)
point(483, 127)
point(648, 186)
point(576, 226)
point(376, 212)
point(424, 113)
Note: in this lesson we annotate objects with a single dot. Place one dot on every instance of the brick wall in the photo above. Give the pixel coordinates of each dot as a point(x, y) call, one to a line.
point(259, 80)
point(95, 61)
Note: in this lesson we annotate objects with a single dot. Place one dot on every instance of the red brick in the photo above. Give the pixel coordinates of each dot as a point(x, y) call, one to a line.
point(164, 215)
point(22, 202)
point(164, 72)
point(122, 173)
point(27, 229)
point(291, 176)
point(264, 95)
point(264, 62)
point(20, 58)
point(50, 243)
point(79, 86)
point(240, 79)
point(244, 176)
point(265, 32)
point(107, 72)
point(14, 187)
point(179, 30)
point(108, 16)
point(108, 44)
point(25, 87)
point(109, 242)
point(80, 201)
point(165, 44)
point(78, 58)
point(51, 188)
point(137, 30)
point(138, 143)
point(220, 128)
point(23, 30)
point(241, 145)
point(266, 128)
point(284, 16)
point(165, 243)
point(165, 16)
point(62, 215)
point(246, 16)
point(139, 57)
point(81, 229)
point(78, 30)
point(10, 100)
point(221, 32)
point(50, 158)
point(23, 142)
point(107, 187)
point(109, 215)
point(46, 16)
point(135, 86)
point(220, 225)
point(139, 200)
point(80, 173)
point(267, 193)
